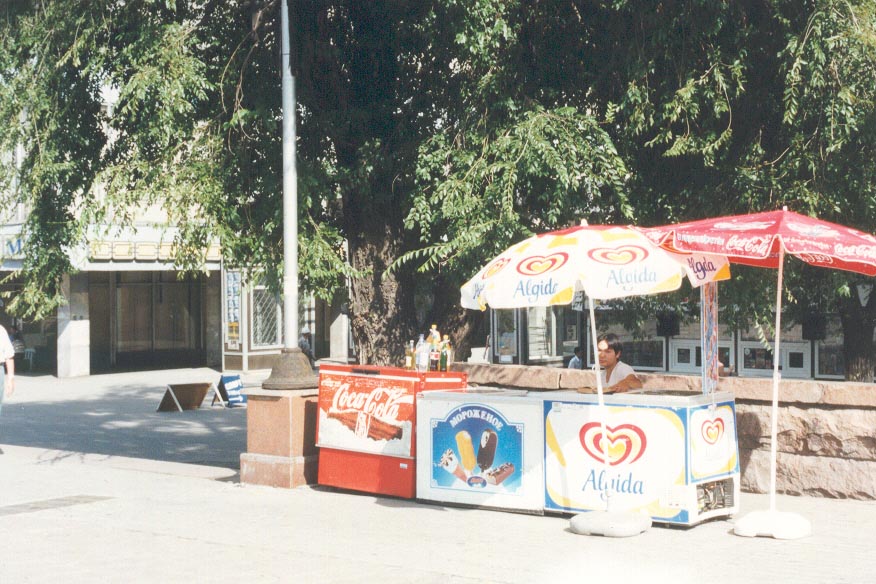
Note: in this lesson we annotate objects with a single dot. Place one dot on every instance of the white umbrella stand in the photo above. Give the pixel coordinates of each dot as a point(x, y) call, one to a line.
point(609, 522)
point(771, 522)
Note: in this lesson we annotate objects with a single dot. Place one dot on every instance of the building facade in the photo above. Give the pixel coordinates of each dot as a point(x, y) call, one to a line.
point(548, 336)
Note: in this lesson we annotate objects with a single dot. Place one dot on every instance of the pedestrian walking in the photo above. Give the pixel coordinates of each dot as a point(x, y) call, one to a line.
point(7, 355)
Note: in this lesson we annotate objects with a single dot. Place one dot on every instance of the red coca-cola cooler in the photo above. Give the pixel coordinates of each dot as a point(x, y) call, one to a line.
point(366, 427)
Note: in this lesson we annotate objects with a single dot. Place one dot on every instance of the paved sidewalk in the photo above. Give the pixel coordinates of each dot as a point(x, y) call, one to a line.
point(83, 500)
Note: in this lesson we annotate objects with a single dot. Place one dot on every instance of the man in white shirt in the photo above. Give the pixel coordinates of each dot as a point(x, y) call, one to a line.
point(617, 376)
point(7, 355)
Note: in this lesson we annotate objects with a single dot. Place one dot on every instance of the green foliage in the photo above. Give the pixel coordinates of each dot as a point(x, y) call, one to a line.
point(433, 134)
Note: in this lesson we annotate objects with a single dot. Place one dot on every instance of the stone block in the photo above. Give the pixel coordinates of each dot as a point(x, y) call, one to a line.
point(516, 376)
point(280, 438)
point(809, 475)
point(281, 422)
point(846, 433)
point(278, 471)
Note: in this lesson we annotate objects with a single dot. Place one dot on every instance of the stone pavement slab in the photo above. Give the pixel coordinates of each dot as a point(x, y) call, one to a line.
point(94, 515)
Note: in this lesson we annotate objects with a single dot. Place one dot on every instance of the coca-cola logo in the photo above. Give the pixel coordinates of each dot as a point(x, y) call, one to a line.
point(819, 230)
point(712, 430)
point(624, 443)
point(757, 245)
point(863, 252)
point(380, 402)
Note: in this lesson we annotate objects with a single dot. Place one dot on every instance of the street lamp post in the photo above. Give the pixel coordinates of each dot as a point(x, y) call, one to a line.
point(292, 370)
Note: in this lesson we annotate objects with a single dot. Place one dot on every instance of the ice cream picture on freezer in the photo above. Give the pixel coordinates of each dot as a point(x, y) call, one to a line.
point(478, 449)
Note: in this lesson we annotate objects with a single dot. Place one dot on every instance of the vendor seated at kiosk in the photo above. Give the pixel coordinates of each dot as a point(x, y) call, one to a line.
point(617, 376)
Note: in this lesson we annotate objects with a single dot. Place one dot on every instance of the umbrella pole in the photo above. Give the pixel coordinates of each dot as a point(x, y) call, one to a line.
point(777, 357)
point(601, 400)
point(607, 522)
point(772, 523)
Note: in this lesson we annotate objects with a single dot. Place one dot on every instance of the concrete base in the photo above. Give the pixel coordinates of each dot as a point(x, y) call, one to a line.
point(280, 438)
point(278, 471)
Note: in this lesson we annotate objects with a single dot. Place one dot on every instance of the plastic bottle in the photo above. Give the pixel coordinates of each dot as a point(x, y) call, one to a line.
point(434, 348)
point(421, 355)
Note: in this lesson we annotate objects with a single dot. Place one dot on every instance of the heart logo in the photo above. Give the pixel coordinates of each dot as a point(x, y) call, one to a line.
point(624, 443)
point(495, 268)
point(618, 256)
point(539, 265)
point(712, 430)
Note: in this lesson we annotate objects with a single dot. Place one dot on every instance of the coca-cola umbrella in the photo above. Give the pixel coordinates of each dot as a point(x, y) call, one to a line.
point(763, 239)
point(605, 262)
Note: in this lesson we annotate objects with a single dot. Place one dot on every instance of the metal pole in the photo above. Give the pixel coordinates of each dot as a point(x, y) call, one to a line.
point(290, 194)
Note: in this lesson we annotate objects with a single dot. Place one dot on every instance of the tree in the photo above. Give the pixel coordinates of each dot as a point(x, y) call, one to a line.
point(433, 134)
point(713, 108)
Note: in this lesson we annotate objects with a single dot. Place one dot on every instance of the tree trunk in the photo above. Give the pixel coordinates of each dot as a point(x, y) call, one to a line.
point(858, 347)
point(382, 313)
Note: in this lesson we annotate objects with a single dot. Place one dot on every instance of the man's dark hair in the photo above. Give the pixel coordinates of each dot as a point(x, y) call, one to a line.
point(612, 341)
point(578, 350)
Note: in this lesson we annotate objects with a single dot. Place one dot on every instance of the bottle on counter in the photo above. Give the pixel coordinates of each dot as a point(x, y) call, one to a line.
point(444, 360)
point(421, 355)
point(434, 358)
point(434, 336)
point(434, 347)
point(409, 356)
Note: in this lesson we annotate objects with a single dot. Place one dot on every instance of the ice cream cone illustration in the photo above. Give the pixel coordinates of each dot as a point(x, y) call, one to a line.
point(449, 463)
point(466, 450)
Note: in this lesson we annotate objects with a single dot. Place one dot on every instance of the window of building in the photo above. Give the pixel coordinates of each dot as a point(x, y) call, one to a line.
point(646, 354)
point(506, 324)
point(686, 355)
point(267, 317)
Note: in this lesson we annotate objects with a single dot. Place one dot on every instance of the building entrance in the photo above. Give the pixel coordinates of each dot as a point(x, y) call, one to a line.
point(143, 320)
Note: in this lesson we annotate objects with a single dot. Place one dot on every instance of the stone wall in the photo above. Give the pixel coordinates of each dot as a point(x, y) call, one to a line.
point(826, 429)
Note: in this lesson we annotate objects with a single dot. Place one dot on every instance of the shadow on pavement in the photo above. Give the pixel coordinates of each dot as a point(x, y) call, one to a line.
point(122, 421)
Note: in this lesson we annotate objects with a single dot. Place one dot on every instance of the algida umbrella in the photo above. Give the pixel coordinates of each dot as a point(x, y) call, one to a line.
point(763, 239)
point(605, 262)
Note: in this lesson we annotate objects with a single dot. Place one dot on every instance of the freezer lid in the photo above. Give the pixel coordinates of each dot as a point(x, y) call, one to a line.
point(645, 397)
point(469, 393)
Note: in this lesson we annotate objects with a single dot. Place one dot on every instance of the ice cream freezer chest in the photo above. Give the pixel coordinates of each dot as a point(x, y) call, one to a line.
point(366, 426)
point(672, 455)
point(481, 448)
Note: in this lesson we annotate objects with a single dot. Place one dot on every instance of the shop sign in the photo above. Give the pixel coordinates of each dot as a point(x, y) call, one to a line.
point(232, 309)
point(12, 247)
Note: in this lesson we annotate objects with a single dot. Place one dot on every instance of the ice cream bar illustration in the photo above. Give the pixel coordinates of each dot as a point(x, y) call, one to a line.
point(487, 451)
point(449, 463)
point(466, 450)
point(495, 476)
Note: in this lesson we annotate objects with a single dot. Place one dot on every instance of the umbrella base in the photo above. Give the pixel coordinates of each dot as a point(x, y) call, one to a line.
point(776, 524)
point(610, 523)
